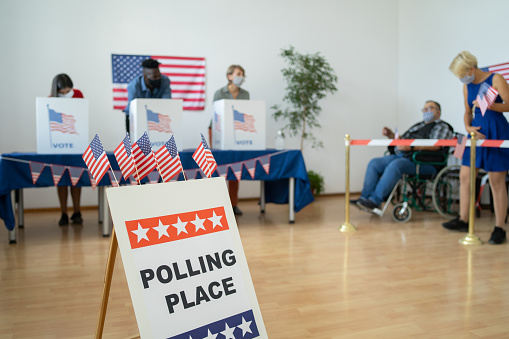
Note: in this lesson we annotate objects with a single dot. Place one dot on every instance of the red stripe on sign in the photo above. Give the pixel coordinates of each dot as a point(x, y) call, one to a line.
point(185, 91)
point(446, 142)
point(176, 58)
point(401, 142)
point(168, 228)
point(123, 90)
point(187, 83)
point(183, 75)
point(492, 143)
point(181, 66)
point(360, 142)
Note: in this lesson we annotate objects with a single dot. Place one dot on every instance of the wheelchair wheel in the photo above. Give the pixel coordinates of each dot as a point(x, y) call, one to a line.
point(401, 212)
point(446, 191)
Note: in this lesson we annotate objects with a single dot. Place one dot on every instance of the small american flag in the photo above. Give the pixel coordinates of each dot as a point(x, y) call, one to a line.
point(61, 122)
point(143, 156)
point(460, 146)
point(243, 122)
point(96, 159)
point(187, 77)
point(168, 159)
point(486, 97)
point(217, 122)
point(158, 122)
point(502, 69)
point(124, 157)
point(204, 158)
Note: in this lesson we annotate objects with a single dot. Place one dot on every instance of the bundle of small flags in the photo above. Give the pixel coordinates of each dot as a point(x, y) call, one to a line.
point(138, 161)
point(486, 97)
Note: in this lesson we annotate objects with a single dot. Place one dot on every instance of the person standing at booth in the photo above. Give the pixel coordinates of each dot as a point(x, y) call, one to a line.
point(491, 125)
point(151, 84)
point(62, 87)
point(235, 75)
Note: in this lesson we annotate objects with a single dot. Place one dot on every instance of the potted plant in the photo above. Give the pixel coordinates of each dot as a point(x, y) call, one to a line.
point(309, 78)
point(316, 181)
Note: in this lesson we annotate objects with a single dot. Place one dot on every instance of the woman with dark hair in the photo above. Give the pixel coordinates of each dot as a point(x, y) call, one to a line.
point(62, 87)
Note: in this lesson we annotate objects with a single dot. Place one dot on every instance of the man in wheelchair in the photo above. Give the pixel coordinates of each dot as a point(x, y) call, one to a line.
point(383, 173)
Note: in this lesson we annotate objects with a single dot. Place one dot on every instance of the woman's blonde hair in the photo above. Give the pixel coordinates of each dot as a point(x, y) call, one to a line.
point(462, 63)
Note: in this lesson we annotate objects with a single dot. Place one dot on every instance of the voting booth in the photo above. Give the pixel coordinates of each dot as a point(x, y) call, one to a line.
point(62, 125)
point(238, 125)
point(160, 118)
point(184, 262)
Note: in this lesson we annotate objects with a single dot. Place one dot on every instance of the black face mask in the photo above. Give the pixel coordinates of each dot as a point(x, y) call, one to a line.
point(155, 83)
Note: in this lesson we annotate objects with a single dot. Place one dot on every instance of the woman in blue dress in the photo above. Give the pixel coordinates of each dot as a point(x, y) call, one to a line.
point(493, 126)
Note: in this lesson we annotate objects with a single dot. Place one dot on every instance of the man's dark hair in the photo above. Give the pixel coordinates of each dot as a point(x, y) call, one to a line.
point(436, 103)
point(150, 63)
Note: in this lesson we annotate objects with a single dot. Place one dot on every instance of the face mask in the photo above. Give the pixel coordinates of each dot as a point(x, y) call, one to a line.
point(69, 94)
point(237, 81)
point(467, 79)
point(428, 116)
point(155, 83)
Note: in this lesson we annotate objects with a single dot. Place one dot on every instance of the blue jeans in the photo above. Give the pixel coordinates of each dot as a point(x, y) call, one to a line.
point(383, 173)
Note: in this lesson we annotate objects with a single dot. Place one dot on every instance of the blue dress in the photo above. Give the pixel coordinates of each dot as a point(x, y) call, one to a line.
point(494, 126)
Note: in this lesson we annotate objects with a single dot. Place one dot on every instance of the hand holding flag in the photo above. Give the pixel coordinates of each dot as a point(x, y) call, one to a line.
point(204, 158)
point(168, 160)
point(96, 160)
point(486, 97)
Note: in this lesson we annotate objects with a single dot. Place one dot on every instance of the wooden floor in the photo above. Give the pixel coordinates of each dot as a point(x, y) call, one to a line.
point(386, 280)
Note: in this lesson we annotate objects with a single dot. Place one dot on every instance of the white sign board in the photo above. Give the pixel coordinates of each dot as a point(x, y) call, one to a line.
point(184, 262)
point(238, 125)
point(160, 118)
point(62, 125)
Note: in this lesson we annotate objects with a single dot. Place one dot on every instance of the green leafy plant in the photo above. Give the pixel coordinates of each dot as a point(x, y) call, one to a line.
point(309, 78)
point(316, 181)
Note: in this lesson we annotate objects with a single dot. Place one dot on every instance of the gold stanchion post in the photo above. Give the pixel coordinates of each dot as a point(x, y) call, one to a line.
point(347, 226)
point(471, 238)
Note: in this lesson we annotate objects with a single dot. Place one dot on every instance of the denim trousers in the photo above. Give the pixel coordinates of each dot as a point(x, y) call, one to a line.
point(383, 173)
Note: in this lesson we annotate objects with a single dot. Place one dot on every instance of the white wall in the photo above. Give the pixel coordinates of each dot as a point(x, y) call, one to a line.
point(359, 38)
point(431, 34)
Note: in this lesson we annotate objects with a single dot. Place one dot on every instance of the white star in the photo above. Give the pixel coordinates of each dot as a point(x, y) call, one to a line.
point(198, 223)
point(141, 232)
point(216, 219)
point(210, 335)
point(162, 229)
point(245, 326)
point(228, 332)
point(180, 226)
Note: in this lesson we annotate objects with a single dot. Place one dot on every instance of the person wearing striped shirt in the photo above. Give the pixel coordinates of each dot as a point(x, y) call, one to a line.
point(383, 173)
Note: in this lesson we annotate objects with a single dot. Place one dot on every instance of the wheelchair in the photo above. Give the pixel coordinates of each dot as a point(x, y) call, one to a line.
point(437, 193)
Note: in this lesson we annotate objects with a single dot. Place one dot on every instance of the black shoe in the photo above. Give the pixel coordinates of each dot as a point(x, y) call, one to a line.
point(237, 210)
point(76, 218)
point(367, 205)
point(64, 220)
point(498, 236)
point(456, 225)
point(354, 201)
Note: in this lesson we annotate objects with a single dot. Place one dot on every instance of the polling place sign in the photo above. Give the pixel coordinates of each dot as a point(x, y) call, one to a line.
point(184, 262)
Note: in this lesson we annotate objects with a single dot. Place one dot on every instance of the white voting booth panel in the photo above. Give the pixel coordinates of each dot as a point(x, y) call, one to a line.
point(184, 262)
point(238, 125)
point(160, 118)
point(62, 125)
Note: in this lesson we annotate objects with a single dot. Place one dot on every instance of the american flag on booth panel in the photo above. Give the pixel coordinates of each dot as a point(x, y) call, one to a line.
point(168, 159)
point(96, 159)
point(243, 122)
point(486, 97)
point(143, 156)
point(499, 68)
point(61, 122)
point(187, 76)
point(125, 158)
point(158, 122)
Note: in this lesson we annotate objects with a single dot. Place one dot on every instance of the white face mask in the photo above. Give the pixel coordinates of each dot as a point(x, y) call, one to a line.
point(69, 94)
point(467, 79)
point(237, 81)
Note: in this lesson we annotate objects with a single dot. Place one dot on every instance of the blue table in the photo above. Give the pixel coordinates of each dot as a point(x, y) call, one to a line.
point(286, 183)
